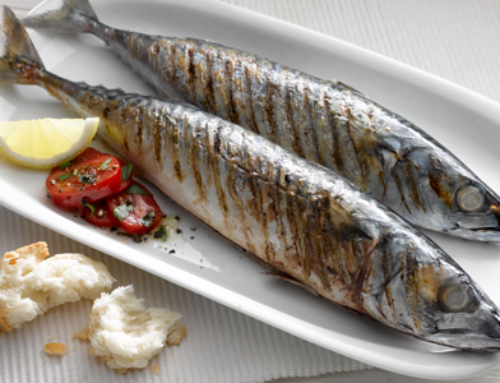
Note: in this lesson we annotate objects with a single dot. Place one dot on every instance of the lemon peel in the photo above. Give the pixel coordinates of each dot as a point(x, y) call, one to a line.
point(46, 143)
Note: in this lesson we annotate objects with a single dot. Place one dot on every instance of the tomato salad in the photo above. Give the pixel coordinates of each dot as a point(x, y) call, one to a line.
point(100, 187)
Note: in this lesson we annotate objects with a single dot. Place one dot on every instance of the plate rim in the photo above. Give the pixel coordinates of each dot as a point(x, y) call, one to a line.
point(444, 88)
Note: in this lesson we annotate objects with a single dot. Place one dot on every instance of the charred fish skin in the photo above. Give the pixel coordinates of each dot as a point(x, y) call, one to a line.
point(323, 121)
point(313, 227)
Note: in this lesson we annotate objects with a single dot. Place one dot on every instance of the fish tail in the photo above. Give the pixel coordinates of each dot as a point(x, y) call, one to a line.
point(75, 16)
point(20, 61)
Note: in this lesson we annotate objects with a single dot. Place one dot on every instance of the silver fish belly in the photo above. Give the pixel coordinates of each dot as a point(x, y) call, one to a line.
point(302, 220)
point(322, 121)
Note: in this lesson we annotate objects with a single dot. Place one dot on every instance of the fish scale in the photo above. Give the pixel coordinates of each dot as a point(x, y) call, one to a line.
point(323, 121)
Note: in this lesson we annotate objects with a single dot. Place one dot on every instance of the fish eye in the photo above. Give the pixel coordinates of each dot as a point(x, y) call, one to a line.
point(470, 198)
point(456, 298)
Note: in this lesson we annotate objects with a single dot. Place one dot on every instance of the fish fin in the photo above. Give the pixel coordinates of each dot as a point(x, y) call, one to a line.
point(294, 281)
point(350, 88)
point(75, 16)
point(20, 59)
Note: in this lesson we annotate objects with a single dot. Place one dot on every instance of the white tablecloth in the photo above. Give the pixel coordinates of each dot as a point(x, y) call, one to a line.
point(456, 39)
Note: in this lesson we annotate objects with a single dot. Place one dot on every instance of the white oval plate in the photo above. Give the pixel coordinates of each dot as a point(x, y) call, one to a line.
point(465, 122)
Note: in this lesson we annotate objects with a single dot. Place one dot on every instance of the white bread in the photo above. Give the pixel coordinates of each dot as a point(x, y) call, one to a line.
point(31, 284)
point(126, 336)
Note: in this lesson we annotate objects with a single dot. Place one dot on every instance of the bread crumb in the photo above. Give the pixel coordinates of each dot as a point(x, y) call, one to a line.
point(178, 332)
point(31, 282)
point(82, 335)
point(56, 349)
point(124, 335)
point(156, 369)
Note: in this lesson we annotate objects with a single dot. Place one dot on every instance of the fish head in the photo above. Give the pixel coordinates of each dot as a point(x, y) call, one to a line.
point(468, 207)
point(435, 190)
point(413, 286)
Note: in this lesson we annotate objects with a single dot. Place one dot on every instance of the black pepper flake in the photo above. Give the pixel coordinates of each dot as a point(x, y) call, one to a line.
point(113, 228)
point(192, 237)
point(137, 238)
point(158, 234)
point(171, 252)
point(193, 228)
point(84, 200)
point(179, 231)
point(177, 218)
point(48, 195)
point(68, 197)
point(60, 190)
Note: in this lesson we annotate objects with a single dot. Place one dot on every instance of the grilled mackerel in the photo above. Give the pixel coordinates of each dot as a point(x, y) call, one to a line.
point(300, 219)
point(322, 121)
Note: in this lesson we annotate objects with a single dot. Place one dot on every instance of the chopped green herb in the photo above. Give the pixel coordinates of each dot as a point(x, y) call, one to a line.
point(105, 164)
point(136, 189)
point(163, 232)
point(83, 178)
point(126, 170)
point(91, 207)
point(65, 165)
point(64, 177)
point(121, 212)
point(146, 221)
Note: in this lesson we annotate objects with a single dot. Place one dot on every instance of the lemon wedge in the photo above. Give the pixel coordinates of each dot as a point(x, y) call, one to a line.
point(48, 142)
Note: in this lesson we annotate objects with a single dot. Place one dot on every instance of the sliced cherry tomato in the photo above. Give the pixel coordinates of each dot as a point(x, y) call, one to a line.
point(101, 216)
point(90, 153)
point(84, 181)
point(136, 209)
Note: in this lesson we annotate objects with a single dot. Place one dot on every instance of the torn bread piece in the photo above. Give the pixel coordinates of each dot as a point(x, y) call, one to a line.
point(31, 282)
point(55, 349)
point(126, 336)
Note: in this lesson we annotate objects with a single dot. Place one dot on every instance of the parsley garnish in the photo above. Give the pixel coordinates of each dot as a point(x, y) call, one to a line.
point(136, 189)
point(84, 179)
point(121, 212)
point(146, 221)
point(163, 231)
point(105, 164)
point(65, 164)
point(91, 207)
point(64, 177)
point(126, 170)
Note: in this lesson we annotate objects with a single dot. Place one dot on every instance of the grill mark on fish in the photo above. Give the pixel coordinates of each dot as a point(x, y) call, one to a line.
point(209, 89)
point(175, 149)
point(257, 210)
point(230, 101)
point(269, 108)
point(157, 129)
point(294, 127)
point(415, 196)
point(191, 78)
point(139, 121)
point(320, 240)
point(360, 181)
point(252, 124)
point(310, 136)
point(216, 165)
point(438, 181)
point(172, 74)
point(195, 159)
point(399, 186)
